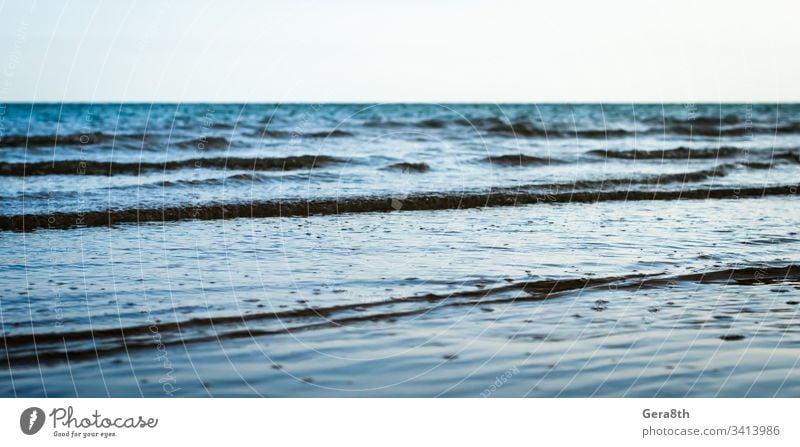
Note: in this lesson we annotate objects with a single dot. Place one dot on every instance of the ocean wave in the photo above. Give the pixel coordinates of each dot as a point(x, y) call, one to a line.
point(730, 126)
point(205, 143)
point(704, 130)
point(288, 134)
point(243, 178)
point(236, 178)
point(384, 124)
point(432, 123)
point(520, 160)
point(407, 167)
point(435, 123)
point(29, 348)
point(52, 140)
point(791, 157)
point(480, 122)
point(369, 204)
point(696, 120)
point(669, 154)
point(501, 127)
point(685, 153)
point(522, 129)
point(711, 129)
point(76, 139)
point(650, 180)
point(80, 167)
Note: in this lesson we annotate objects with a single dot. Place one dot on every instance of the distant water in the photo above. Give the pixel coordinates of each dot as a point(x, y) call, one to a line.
point(399, 249)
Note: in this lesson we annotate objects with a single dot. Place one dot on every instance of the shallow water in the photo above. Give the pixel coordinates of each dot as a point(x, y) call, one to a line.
point(626, 251)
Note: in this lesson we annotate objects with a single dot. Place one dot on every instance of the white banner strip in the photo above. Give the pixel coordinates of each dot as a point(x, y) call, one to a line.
point(399, 422)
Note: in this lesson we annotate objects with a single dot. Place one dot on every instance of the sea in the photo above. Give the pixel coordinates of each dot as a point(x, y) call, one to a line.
point(415, 250)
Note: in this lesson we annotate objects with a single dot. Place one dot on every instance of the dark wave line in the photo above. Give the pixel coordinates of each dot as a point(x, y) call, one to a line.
point(436, 123)
point(19, 348)
point(669, 154)
point(407, 167)
point(702, 154)
point(52, 140)
point(697, 120)
point(76, 139)
point(529, 129)
point(541, 288)
point(423, 202)
point(520, 160)
point(729, 125)
point(651, 180)
point(79, 167)
point(244, 178)
point(202, 143)
point(498, 126)
point(205, 143)
point(489, 125)
point(713, 130)
point(282, 134)
point(686, 153)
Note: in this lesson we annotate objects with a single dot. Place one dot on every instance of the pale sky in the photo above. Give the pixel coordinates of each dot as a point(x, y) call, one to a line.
point(413, 50)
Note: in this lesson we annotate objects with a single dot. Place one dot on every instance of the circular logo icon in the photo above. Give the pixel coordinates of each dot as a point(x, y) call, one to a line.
point(31, 420)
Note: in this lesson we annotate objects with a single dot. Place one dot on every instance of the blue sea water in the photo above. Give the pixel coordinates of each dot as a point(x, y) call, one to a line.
point(399, 249)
